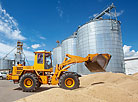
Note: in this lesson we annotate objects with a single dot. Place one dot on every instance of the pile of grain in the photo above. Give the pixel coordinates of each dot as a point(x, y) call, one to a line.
point(99, 87)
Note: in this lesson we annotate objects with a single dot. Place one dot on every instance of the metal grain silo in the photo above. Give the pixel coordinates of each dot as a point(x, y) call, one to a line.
point(6, 64)
point(69, 47)
point(101, 36)
point(57, 56)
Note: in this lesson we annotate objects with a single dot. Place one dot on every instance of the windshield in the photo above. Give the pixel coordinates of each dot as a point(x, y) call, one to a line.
point(48, 63)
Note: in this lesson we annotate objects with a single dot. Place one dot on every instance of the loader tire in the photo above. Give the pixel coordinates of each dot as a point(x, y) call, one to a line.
point(39, 84)
point(29, 82)
point(69, 81)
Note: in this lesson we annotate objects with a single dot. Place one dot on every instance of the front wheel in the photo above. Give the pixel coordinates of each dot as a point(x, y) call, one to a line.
point(69, 81)
point(29, 82)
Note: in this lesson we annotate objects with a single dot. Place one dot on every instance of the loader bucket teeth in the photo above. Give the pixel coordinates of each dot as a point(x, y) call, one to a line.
point(98, 63)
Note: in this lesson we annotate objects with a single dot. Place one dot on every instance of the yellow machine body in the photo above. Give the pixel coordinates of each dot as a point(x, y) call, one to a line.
point(44, 71)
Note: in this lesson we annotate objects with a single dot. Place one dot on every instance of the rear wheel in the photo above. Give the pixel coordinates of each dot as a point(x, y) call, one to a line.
point(69, 81)
point(29, 82)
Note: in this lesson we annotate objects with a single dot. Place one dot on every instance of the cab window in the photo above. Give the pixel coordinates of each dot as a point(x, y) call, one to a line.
point(48, 63)
point(40, 58)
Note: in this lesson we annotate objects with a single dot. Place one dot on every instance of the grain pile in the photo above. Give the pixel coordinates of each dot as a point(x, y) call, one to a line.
point(100, 87)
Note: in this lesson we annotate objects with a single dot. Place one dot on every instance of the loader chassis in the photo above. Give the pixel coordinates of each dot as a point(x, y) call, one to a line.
point(31, 77)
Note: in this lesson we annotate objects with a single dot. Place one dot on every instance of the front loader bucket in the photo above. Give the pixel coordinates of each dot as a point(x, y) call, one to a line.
point(98, 63)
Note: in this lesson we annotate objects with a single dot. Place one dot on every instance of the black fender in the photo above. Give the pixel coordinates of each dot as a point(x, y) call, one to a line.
point(75, 73)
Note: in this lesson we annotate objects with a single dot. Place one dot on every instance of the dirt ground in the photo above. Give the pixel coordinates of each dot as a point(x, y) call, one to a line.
point(99, 87)
point(10, 92)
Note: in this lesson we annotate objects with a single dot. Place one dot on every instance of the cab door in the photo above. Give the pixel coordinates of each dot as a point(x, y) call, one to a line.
point(39, 61)
point(48, 61)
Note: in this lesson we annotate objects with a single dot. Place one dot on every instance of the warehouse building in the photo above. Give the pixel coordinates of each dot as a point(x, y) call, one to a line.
point(131, 66)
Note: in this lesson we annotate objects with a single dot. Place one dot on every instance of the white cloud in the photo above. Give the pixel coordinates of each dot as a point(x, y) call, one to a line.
point(94, 15)
point(35, 46)
point(28, 47)
point(117, 13)
point(29, 55)
point(59, 9)
point(9, 26)
point(4, 49)
point(43, 44)
point(128, 52)
point(59, 1)
point(43, 38)
point(99, 0)
point(112, 14)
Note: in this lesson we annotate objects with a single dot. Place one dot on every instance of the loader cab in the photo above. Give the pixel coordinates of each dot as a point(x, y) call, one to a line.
point(43, 60)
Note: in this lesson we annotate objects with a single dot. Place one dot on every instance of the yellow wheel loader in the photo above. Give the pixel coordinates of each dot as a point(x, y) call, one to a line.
point(31, 77)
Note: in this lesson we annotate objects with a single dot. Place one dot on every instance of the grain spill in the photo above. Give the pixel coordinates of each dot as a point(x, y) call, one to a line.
point(99, 87)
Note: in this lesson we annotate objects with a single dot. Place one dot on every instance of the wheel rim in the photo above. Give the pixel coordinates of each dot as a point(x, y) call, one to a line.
point(69, 82)
point(28, 82)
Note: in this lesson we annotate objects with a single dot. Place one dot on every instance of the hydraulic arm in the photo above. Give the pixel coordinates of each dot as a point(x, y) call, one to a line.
point(94, 62)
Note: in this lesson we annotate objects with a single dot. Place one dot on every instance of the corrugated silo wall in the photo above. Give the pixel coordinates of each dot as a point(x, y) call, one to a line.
point(69, 47)
point(6, 64)
point(101, 36)
point(57, 56)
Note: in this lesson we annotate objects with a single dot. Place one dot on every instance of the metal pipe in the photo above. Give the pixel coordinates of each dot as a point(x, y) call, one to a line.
point(104, 12)
point(9, 53)
point(130, 59)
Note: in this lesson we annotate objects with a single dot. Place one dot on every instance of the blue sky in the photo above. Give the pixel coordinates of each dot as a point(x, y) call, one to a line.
point(39, 23)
